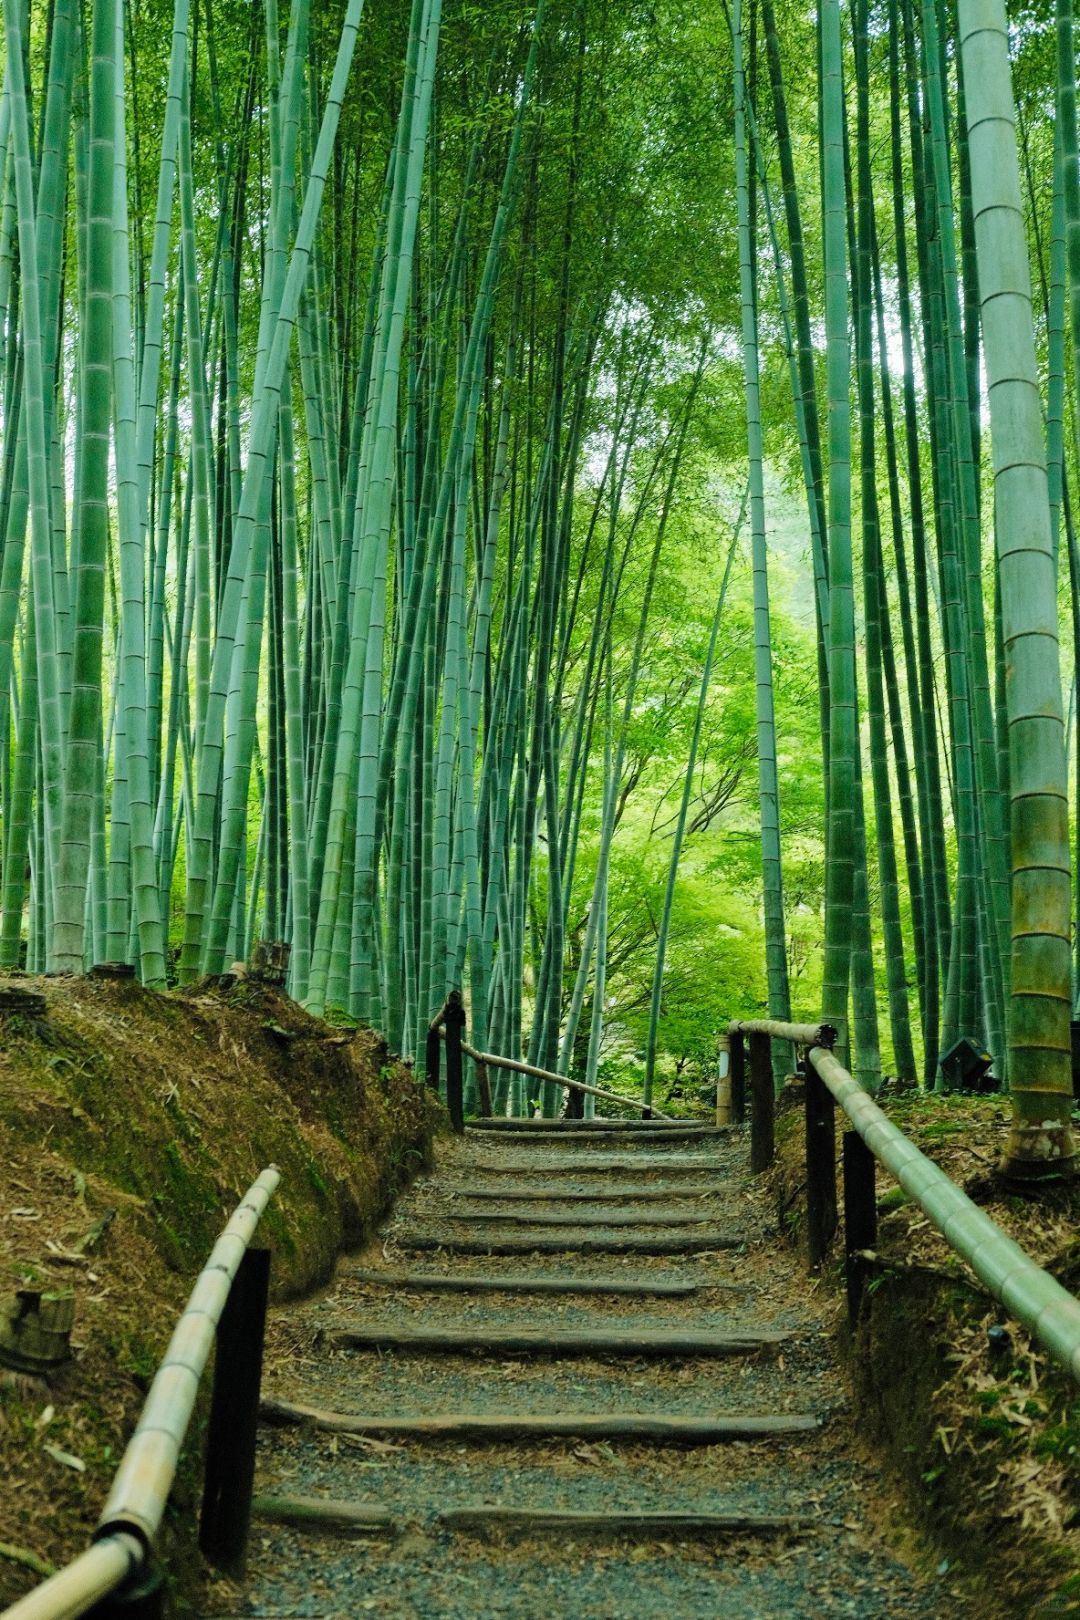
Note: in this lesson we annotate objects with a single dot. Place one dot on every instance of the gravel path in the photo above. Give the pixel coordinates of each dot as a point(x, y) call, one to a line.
point(849, 1551)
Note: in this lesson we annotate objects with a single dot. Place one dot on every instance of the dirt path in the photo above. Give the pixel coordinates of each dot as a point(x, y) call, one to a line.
point(816, 1535)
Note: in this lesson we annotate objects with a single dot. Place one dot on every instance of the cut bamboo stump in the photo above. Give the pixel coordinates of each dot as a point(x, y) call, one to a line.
point(670, 1429)
point(270, 962)
point(35, 1330)
point(446, 1283)
point(323, 1513)
point(572, 1241)
point(551, 1342)
point(619, 1522)
point(21, 1003)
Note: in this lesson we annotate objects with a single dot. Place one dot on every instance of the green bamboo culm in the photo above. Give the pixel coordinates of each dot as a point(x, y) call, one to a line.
point(779, 1002)
point(1041, 1140)
point(840, 835)
point(656, 1003)
point(94, 406)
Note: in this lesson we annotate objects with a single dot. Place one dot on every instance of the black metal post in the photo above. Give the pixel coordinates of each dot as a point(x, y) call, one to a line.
point(860, 1217)
point(234, 1416)
point(762, 1104)
point(738, 1079)
point(455, 1089)
point(820, 1165)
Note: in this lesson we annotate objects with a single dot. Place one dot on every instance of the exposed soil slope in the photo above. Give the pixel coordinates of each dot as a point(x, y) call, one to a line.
point(163, 1108)
point(982, 1430)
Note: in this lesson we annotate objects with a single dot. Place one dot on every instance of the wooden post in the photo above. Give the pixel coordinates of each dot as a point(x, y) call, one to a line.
point(738, 1079)
point(483, 1086)
point(234, 1416)
point(433, 1057)
point(762, 1103)
point(860, 1217)
point(454, 1019)
point(820, 1165)
point(575, 1104)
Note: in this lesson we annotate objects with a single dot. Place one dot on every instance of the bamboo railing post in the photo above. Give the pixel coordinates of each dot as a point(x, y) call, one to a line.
point(860, 1217)
point(762, 1104)
point(820, 1165)
point(454, 1021)
point(723, 1080)
point(738, 1079)
point(234, 1416)
point(115, 1576)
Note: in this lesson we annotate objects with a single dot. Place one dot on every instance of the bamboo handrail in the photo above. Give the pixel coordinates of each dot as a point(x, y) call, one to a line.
point(822, 1035)
point(82, 1583)
point(141, 1486)
point(494, 1061)
point(1049, 1312)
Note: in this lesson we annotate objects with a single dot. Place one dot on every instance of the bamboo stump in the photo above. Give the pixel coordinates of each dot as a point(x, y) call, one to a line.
point(270, 962)
point(35, 1330)
point(21, 1003)
point(112, 970)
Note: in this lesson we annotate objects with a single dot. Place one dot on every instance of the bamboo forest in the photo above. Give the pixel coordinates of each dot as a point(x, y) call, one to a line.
point(540, 615)
point(413, 463)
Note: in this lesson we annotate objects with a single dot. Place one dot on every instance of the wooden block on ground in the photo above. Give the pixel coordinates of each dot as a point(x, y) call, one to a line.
point(322, 1513)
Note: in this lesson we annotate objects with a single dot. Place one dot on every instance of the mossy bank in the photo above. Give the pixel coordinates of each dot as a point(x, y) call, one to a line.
point(163, 1109)
point(981, 1428)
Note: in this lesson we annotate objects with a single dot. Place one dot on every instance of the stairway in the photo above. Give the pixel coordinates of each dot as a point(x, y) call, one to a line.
point(576, 1375)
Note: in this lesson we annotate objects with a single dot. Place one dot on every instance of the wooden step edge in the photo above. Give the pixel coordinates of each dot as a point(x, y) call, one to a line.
point(673, 1428)
point(607, 1193)
point(570, 1342)
point(616, 1522)
point(581, 1166)
point(445, 1282)
point(323, 1513)
point(580, 1243)
point(587, 1146)
point(604, 1219)
point(578, 1131)
point(556, 1130)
